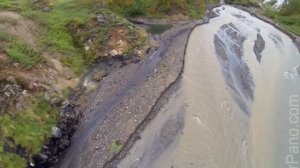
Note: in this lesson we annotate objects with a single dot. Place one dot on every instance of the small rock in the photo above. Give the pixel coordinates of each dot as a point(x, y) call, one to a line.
point(31, 164)
point(56, 132)
point(114, 52)
point(24, 92)
point(43, 156)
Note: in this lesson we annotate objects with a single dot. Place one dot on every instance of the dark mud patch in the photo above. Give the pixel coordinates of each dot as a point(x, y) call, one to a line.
point(229, 48)
point(259, 46)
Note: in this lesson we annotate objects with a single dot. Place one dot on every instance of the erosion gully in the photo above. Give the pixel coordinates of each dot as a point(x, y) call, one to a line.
point(233, 105)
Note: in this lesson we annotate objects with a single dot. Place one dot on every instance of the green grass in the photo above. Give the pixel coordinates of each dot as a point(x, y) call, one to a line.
point(57, 36)
point(19, 52)
point(15, 4)
point(54, 35)
point(158, 28)
point(31, 127)
point(10, 160)
point(291, 23)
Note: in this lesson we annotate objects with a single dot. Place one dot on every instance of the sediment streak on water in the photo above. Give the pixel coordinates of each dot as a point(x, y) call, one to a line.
point(234, 98)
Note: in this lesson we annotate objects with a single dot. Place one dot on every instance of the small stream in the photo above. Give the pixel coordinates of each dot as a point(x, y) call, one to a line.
point(237, 105)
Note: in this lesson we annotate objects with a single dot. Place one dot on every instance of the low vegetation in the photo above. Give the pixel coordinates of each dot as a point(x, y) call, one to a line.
point(27, 129)
point(18, 51)
point(116, 146)
point(287, 16)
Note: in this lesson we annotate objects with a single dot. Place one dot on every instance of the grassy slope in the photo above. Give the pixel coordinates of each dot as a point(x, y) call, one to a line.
point(19, 51)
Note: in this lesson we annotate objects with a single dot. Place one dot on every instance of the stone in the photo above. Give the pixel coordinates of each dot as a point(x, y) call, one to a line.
point(56, 132)
point(114, 52)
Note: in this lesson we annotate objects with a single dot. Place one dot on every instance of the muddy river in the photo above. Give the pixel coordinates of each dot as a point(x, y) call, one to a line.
point(237, 105)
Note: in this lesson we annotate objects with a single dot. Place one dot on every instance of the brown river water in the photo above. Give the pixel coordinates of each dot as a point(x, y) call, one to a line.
point(237, 105)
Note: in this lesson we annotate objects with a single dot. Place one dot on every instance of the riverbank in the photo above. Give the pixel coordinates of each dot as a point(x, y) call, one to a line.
point(120, 106)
